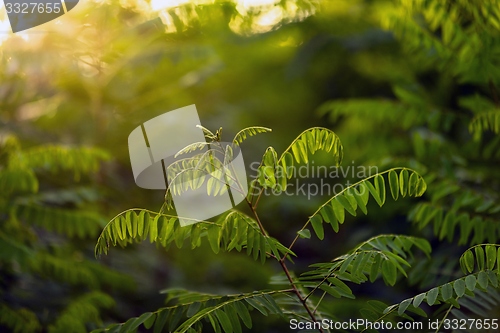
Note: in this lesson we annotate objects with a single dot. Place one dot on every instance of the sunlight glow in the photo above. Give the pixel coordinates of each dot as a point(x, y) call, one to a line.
point(268, 17)
point(163, 4)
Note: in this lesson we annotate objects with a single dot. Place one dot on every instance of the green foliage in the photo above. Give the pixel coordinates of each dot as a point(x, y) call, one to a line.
point(229, 313)
point(308, 142)
point(461, 35)
point(19, 321)
point(83, 310)
point(488, 121)
point(31, 209)
point(81, 224)
point(249, 131)
point(357, 195)
point(384, 255)
point(463, 293)
point(441, 119)
point(78, 160)
point(232, 231)
point(274, 172)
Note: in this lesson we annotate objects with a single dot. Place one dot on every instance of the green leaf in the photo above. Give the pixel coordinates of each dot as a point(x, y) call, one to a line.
point(432, 295)
point(314, 139)
point(403, 182)
point(213, 234)
point(305, 233)
point(470, 282)
point(256, 245)
point(416, 185)
point(214, 323)
point(302, 151)
point(296, 152)
point(346, 263)
point(493, 278)
point(233, 317)
point(243, 313)
point(249, 131)
point(148, 323)
point(133, 220)
point(479, 257)
point(380, 187)
point(374, 192)
point(360, 263)
point(338, 210)
point(469, 261)
point(140, 224)
point(330, 290)
point(491, 256)
point(459, 286)
point(342, 287)
point(327, 213)
point(193, 309)
point(317, 224)
point(346, 204)
point(394, 184)
point(377, 261)
point(418, 299)
point(224, 321)
point(117, 228)
point(335, 225)
point(447, 291)
point(256, 305)
point(271, 304)
point(498, 256)
point(389, 272)
point(287, 163)
point(403, 306)
point(160, 321)
point(153, 229)
point(482, 279)
point(361, 195)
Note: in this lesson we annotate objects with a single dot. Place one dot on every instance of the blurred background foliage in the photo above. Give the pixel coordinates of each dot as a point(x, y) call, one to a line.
point(399, 81)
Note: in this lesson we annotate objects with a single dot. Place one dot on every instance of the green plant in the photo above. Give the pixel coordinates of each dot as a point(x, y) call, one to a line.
point(39, 219)
point(444, 112)
point(304, 296)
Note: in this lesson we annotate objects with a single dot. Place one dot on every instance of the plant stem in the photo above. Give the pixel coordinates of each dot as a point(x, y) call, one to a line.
point(297, 292)
point(285, 269)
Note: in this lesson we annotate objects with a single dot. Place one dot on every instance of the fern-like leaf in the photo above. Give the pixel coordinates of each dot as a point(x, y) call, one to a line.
point(310, 141)
point(234, 230)
point(249, 131)
point(19, 321)
point(192, 147)
point(226, 314)
point(383, 254)
point(473, 214)
point(69, 222)
point(487, 121)
point(82, 311)
point(484, 257)
point(79, 160)
point(356, 196)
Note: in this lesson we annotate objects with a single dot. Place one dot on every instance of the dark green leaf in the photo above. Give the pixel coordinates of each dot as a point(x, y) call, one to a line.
point(394, 184)
point(317, 224)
